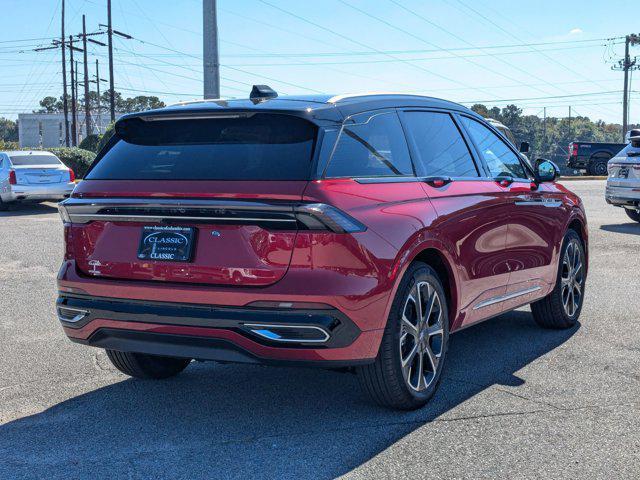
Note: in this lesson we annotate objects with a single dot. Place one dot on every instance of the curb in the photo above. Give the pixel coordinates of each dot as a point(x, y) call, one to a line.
point(585, 177)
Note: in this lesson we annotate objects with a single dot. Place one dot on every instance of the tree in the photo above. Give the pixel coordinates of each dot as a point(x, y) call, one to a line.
point(8, 130)
point(51, 104)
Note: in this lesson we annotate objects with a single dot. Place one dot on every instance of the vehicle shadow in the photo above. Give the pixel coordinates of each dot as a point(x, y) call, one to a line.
point(629, 228)
point(230, 421)
point(29, 208)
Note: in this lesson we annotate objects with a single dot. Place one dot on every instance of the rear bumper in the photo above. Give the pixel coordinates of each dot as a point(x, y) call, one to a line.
point(56, 191)
point(229, 334)
point(627, 196)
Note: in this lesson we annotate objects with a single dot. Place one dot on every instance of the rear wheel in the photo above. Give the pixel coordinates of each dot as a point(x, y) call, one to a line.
point(633, 214)
point(562, 307)
point(598, 166)
point(408, 367)
point(141, 365)
point(3, 206)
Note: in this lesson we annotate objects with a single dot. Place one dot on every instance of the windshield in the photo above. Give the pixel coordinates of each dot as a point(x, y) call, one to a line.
point(26, 160)
point(236, 147)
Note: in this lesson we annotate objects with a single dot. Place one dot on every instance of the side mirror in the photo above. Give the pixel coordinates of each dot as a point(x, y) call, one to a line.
point(546, 171)
point(524, 147)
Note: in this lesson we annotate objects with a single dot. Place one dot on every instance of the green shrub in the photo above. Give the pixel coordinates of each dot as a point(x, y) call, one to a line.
point(5, 145)
point(90, 143)
point(77, 159)
point(104, 138)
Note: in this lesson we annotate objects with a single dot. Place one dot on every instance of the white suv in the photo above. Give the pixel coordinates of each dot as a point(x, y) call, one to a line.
point(623, 183)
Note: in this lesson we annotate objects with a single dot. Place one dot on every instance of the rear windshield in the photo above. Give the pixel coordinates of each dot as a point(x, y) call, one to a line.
point(26, 160)
point(628, 151)
point(239, 147)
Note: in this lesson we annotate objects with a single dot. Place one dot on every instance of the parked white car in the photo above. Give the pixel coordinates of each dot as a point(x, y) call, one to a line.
point(33, 176)
point(623, 182)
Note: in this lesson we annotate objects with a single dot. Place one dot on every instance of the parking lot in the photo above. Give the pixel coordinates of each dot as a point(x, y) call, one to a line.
point(515, 401)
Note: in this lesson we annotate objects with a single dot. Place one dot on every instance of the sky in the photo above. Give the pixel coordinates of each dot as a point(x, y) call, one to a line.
point(535, 54)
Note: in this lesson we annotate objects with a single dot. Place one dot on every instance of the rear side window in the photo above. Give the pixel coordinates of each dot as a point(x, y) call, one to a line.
point(440, 148)
point(238, 147)
point(499, 158)
point(371, 145)
point(28, 160)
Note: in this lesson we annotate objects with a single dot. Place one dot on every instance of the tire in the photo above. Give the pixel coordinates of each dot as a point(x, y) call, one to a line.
point(598, 166)
point(561, 308)
point(3, 206)
point(141, 365)
point(386, 381)
point(633, 214)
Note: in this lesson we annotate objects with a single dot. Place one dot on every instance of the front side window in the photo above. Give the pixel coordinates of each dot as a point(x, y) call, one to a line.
point(500, 159)
point(371, 145)
point(440, 148)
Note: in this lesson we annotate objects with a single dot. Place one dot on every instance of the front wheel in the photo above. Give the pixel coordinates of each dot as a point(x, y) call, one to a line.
point(633, 214)
point(141, 365)
point(562, 307)
point(409, 364)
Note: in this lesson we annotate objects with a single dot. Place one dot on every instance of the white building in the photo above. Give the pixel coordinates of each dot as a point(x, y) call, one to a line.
point(46, 130)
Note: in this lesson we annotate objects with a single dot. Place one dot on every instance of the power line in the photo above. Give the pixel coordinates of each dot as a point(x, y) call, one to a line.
point(357, 42)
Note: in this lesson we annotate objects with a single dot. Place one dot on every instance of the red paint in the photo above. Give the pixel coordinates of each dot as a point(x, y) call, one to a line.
point(489, 243)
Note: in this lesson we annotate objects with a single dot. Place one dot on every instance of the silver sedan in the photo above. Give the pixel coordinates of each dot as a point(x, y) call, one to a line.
point(33, 176)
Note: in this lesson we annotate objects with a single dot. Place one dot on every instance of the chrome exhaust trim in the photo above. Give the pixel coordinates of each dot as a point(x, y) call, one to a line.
point(278, 332)
point(71, 315)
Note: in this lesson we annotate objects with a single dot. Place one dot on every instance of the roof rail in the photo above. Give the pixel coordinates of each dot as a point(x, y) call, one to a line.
point(337, 98)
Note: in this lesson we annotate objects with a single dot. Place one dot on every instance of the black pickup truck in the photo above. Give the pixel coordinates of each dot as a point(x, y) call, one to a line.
point(592, 156)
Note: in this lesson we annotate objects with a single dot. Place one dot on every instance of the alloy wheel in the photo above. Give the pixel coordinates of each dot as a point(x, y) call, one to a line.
point(572, 278)
point(421, 336)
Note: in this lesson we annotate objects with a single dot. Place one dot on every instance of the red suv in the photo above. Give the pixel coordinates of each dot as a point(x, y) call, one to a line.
point(354, 231)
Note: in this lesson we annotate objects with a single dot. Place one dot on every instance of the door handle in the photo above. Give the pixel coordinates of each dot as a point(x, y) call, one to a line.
point(437, 182)
point(504, 181)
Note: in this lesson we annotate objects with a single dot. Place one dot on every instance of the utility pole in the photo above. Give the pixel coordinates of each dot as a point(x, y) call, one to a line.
point(211, 62)
point(544, 130)
point(74, 136)
point(65, 107)
point(626, 65)
point(99, 115)
point(112, 93)
point(569, 120)
point(87, 110)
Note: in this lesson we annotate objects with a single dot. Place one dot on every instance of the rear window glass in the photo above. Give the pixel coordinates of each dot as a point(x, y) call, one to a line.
point(371, 145)
point(628, 151)
point(26, 160)
point(239, 147)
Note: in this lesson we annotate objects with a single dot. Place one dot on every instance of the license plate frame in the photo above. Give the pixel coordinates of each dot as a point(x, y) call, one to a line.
point(166, 243)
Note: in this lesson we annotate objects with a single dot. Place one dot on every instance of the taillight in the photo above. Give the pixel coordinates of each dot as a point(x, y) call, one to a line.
point(72, 176)
point(12, 177)
point(573, 149)
point(319, 216)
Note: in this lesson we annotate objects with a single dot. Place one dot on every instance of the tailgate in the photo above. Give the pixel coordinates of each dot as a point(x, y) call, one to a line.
point(232, 238)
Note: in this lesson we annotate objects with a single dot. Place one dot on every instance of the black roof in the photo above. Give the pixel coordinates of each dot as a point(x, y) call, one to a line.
point(321, 109)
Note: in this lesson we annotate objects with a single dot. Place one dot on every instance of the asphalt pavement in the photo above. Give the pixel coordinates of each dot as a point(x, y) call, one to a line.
point(515, 401)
